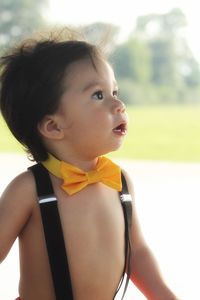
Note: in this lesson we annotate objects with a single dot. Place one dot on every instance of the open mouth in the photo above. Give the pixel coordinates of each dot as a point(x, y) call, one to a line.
point(121, 129)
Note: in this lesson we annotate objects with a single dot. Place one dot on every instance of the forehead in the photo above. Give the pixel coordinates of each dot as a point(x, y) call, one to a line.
point(85, 72)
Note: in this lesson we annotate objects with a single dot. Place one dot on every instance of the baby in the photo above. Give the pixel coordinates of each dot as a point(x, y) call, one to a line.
point(60, 100)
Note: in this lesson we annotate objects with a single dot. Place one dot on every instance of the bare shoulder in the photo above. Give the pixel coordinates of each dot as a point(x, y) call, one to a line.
point(16, 207)
point(21, 190)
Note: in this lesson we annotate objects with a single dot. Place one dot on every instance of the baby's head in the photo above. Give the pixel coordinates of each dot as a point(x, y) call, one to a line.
point(34, 80)
point(32, 85)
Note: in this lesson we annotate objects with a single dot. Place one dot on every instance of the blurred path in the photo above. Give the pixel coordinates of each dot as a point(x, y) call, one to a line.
point(168, 204)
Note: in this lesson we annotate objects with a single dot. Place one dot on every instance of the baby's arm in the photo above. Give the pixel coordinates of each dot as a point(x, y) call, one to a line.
point(16, 205)
point(145, 270)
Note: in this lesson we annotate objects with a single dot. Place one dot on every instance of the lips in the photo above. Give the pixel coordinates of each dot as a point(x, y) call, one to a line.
point(121, 129)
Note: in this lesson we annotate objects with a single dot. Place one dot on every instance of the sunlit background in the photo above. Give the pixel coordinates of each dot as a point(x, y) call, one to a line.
point(124, 14)
point(155, 51)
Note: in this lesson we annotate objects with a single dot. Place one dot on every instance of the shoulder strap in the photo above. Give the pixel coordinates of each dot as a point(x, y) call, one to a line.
point(126, 201)
point(55, 242)
point(53, 233)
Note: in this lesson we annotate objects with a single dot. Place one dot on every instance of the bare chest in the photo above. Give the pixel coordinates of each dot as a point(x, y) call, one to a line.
point(93, 229)
point(95, 213)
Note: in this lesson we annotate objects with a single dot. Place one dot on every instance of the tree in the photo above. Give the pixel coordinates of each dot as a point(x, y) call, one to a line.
point(172, 60)
point(189, 67)
point(132, 60)
point(156, 63)
point(120, 59)
point(19, 18)
point(164, 65)
point(168, 24)
point(140, 60)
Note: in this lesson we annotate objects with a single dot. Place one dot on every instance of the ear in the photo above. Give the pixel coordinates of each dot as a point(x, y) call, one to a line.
point(50, 129)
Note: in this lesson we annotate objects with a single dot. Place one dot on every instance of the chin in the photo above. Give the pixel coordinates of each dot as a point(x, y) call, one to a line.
point(112, 149)
point(106, 148)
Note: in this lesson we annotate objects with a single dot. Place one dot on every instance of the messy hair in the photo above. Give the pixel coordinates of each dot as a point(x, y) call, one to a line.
point(32, 83)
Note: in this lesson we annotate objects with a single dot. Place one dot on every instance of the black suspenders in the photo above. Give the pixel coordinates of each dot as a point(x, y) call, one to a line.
point(126, 201)
point(53, 233)
point(54, 236)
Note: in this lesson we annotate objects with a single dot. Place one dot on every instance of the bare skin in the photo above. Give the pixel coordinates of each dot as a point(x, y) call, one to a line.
point(95, 253)
point(92, 220)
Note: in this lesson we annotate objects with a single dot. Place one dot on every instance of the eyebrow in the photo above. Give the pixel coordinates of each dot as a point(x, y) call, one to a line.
point(91, 84)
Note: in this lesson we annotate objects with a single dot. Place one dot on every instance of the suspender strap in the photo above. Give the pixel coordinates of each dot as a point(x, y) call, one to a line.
point(53, 234)
point(126, 201)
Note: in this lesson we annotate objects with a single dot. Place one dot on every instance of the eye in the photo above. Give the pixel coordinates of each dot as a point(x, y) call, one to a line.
point(98, 95)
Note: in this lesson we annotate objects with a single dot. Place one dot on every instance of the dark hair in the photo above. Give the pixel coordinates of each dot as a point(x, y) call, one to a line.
point(32, 84)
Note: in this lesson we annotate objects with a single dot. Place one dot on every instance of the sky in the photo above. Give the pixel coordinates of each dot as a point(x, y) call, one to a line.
point(124, 13)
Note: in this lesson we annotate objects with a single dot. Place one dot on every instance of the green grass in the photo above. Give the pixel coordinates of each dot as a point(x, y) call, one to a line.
point(163, 133)
point(155, 133)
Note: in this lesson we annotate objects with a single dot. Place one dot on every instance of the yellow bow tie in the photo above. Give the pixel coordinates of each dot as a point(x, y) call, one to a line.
point(75, 179)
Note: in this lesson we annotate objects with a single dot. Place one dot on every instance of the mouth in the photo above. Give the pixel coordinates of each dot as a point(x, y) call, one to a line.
point(121, 129)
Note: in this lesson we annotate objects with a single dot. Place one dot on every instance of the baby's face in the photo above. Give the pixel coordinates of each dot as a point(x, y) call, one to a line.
point(93, 118)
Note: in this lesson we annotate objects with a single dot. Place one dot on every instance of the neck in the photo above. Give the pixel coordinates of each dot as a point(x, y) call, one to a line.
point(84, 163)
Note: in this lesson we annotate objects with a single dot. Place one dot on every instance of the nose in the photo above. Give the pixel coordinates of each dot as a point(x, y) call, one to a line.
point(119, 106)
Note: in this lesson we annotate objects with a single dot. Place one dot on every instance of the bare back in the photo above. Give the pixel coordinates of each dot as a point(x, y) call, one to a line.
point(93, 228)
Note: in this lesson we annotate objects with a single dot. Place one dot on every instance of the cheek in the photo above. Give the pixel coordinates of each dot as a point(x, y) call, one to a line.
point(94, 123)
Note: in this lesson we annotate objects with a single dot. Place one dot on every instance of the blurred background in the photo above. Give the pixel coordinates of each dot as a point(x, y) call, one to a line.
point(154, 49)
